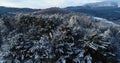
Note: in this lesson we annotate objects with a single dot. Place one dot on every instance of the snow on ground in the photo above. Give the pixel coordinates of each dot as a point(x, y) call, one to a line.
point(105, 20)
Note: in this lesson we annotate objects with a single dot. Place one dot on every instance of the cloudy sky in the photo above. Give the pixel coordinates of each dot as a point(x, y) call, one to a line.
point(45, 3)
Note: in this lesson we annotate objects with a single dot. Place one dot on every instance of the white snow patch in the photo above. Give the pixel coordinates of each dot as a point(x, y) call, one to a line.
point(104, 20)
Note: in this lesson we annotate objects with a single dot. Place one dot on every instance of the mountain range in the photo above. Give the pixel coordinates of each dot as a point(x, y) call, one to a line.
point(14, 11)
point(107, 9)
point(103, 4)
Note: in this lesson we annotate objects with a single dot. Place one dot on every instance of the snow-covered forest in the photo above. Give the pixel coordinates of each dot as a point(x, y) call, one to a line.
point(58, 38)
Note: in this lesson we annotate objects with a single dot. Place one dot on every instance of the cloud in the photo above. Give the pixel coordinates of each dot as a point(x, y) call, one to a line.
point(44, 3)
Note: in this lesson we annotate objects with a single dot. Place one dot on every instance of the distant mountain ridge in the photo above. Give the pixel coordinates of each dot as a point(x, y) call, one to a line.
point(103, 4)
point(110, 11)
point(13, 11)
point(52, 10)
point(107, 9)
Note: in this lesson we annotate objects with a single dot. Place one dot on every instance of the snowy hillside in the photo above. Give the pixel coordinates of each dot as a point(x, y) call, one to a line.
point(58, 38)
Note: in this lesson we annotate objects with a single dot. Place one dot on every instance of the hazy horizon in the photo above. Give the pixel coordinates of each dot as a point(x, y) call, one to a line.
point(41, 4)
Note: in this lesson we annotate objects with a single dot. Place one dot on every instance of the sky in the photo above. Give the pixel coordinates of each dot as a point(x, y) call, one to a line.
point(41, 4)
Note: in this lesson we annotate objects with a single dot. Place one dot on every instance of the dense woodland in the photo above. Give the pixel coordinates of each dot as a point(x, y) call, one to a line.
point(58, 38)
